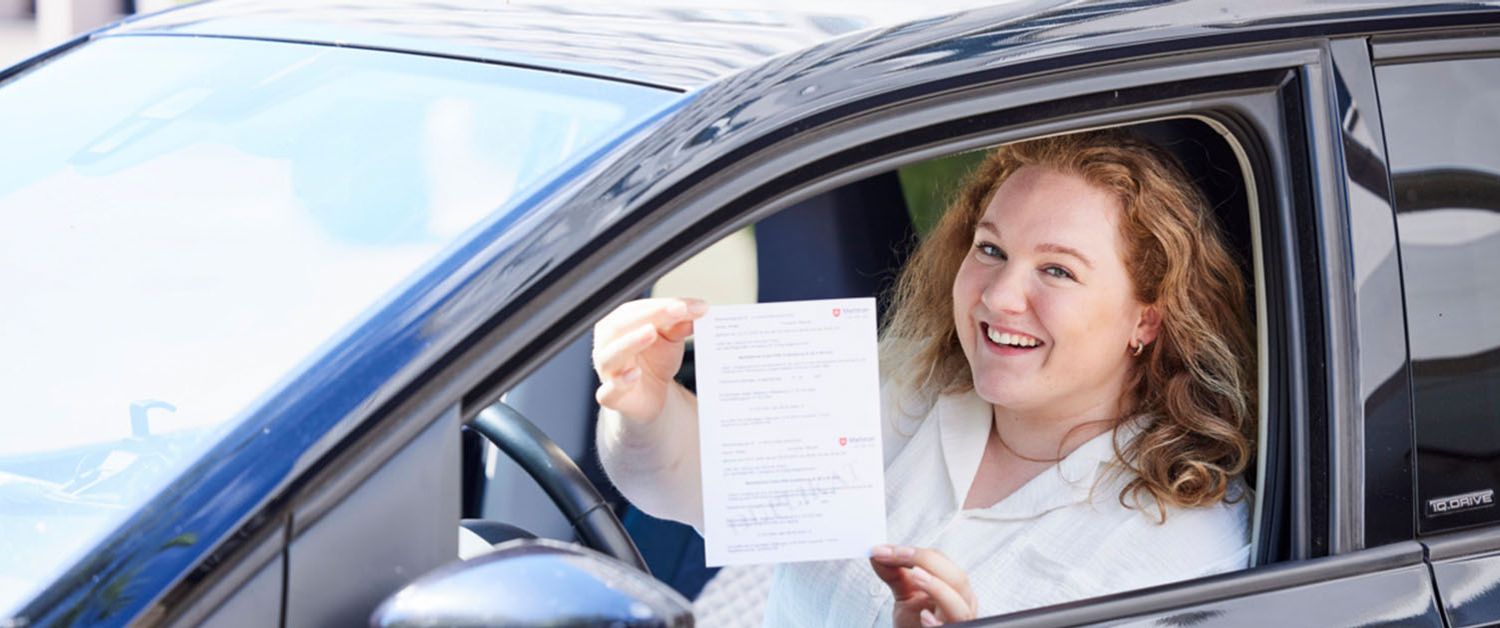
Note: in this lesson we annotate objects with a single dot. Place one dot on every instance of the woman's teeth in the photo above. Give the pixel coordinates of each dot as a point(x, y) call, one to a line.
point(1014, 340)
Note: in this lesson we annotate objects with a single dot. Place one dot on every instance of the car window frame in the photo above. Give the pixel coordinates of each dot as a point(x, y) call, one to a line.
point(1374, 487)
point(743, 192)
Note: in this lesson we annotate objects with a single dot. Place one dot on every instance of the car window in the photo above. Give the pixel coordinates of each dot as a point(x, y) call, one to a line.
point(850, 241)
point(928, 186)
point(189, 218)
point(723, 273)
point(726, 271)
point(1442, 123)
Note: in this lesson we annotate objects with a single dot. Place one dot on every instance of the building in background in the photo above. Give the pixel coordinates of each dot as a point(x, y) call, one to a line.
point(28, 26)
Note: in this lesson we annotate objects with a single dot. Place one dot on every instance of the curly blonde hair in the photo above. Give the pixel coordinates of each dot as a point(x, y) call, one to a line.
point(1194, 381)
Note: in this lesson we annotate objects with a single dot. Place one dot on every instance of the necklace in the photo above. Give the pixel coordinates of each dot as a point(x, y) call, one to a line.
point(1000, 439)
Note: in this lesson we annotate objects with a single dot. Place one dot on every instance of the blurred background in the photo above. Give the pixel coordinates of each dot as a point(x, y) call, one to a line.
point(30, 26)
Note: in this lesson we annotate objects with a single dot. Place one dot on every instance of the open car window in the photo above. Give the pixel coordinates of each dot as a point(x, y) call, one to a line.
point(851, 241)
point(846, 232)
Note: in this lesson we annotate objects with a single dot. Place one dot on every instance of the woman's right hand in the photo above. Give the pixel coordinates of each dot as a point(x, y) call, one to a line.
point(637, 350)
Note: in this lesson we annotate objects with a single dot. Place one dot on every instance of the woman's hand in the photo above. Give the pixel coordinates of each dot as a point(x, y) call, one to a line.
point(930, 589)
point(637, 350)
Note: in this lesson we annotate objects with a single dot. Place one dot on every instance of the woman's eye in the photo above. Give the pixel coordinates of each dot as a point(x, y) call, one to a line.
point(990, 250)
point(1058, 272)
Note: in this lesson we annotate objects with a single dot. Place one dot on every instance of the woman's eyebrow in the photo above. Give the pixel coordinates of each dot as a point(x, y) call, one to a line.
point(1045, 247)
point(1049, 247)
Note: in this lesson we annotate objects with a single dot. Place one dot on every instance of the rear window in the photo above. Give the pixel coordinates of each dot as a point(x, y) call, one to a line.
point(1442, 121)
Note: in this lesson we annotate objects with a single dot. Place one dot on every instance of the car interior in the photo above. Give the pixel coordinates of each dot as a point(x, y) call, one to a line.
point(847, 242)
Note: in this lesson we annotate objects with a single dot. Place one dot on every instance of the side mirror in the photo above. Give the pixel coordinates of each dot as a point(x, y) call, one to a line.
point(536, 582)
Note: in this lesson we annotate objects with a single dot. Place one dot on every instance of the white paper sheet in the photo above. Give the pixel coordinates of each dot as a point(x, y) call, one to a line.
point(789, 422)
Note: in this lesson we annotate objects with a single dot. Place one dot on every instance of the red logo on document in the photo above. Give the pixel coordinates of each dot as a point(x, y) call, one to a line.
point(843, 440)
point(837, 311)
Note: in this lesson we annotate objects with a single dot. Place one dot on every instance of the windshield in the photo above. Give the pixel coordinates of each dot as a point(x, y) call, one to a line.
point(187, 219)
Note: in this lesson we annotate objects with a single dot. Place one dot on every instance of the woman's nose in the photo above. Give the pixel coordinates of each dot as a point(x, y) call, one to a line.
point(1006, 291)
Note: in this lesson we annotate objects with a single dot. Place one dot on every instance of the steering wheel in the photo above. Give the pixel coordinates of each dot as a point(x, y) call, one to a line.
point(588, 513)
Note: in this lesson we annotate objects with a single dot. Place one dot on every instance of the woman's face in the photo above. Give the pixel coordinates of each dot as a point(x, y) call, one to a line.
point(1043, 305)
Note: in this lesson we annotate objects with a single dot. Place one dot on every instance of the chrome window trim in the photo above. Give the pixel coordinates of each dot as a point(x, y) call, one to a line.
point(1434, 46)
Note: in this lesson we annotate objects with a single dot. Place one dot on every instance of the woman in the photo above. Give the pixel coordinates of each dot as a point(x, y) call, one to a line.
point(1065, 397)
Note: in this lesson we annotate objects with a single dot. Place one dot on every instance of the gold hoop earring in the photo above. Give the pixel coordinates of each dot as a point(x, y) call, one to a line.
point(1139, 347)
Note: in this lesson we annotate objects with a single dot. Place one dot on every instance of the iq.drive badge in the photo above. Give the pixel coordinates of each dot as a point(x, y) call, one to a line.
point(1460, 503)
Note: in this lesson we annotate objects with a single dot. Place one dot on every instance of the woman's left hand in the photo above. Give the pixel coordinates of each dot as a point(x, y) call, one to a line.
point(929, 588)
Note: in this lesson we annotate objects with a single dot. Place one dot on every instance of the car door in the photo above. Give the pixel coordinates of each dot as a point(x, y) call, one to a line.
point(1361, 566)
point(1351, 558)
point(1440, 94)
point(1335, 542)
point(1293, 113)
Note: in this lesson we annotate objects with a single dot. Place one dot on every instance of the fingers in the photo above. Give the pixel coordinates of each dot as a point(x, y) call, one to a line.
point(631, 328)
point(911, 602)
point(951, 604)
point(901, 585)
point(637, 349)
point(678, 332)
point(665, 314)
point(932, 573)
point(613, 390)
point(615, 358)
point(947, 571)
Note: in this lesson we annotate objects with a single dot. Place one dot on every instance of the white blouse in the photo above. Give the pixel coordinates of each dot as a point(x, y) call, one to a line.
point(1058, 538)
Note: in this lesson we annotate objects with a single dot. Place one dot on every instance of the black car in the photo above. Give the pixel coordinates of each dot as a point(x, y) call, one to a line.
point(1352, 151)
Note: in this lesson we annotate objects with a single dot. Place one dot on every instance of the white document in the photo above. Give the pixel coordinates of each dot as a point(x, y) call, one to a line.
point(789, 421)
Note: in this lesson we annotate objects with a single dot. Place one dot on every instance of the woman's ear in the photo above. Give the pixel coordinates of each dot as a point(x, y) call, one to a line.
point(1148, 325)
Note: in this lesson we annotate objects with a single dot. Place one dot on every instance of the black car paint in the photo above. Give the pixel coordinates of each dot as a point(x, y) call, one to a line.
point(523, 292)
point(1385, 444)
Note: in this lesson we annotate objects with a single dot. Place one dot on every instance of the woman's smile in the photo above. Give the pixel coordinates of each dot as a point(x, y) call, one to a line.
point(1005, 341)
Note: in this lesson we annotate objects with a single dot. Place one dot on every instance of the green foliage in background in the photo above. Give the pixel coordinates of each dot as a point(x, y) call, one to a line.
point(929, 186)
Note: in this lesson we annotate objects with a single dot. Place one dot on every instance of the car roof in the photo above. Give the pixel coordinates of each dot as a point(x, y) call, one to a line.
point(681, 44)
point(686, 44)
